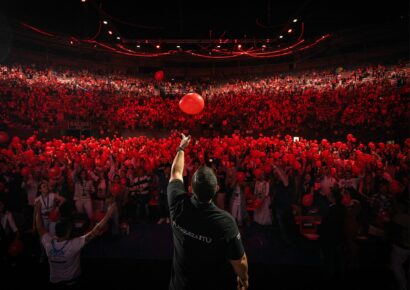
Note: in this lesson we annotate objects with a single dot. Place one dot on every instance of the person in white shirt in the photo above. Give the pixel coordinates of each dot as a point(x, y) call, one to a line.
point(83, 189)
point(49, 202)
point(348, 181)
point(262, 214)
point(238, 203)
point(327, 183)
point(64, 253)
point(31, 186)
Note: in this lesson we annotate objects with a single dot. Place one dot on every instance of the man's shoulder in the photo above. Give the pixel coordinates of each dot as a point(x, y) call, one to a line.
point(175, 185)
point(223, 217)
point(175, 182)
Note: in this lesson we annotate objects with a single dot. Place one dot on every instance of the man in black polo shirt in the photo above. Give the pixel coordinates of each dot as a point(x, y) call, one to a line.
point(204, 235)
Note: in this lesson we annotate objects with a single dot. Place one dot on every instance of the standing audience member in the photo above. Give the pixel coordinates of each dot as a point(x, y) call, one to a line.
point(8, 231)
point(332, 235)
point(83, 189)
point(50, 203)
point(262, 214)
point(62, 251)
point(162, 174)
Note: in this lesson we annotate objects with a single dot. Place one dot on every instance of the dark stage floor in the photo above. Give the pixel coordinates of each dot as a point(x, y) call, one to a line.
point(142, 260)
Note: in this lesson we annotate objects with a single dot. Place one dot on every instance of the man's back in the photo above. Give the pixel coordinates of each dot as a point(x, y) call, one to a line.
point(204, 238)
point(64, 258)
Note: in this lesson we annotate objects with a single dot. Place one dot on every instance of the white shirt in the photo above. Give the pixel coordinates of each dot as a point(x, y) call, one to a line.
point(31, 188)
point(261, 189)
point(351, 182)
point(83, 189)
point(63, 257)
point(47, 204)
point(326, 185)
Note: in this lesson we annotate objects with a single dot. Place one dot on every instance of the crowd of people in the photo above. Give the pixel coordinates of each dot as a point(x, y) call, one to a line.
point(263, 180)
point(373, 97)
point(352, 189)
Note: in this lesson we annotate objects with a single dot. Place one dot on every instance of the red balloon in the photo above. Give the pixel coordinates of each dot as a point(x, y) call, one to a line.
point(257, 172)
point(395, 187)
point(267, 168)
point(54, 172)
point(307, 199)
point(192, 104)
point(297, 165)
point(346, 199)
point(15, 248)
point(54, 215)
point(115, 189)
point(240, 176)
point(257, 203)
point(159, 75)
point(25, 171)
point(123, 181)
point(15, 140)
point(4, 137)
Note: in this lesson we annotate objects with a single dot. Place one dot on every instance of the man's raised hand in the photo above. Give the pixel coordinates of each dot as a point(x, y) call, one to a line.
point(185, 141)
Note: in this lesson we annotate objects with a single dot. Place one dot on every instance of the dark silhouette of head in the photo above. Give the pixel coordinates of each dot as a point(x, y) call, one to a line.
point(204, 184)
point(63, 228)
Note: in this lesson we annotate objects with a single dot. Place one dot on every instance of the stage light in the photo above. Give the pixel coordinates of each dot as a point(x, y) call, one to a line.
point(178, 46)
point(138, 46)
point(263, 45)
point(118, 37)
point(280, 36)
point(290, 30)
point(71, 42)
point(83, 1)
point(295, 20)
point(295, 139)
point(109, 32)
point(239, 46)
point(158, 46)
point(218, 46)
point(105, 22)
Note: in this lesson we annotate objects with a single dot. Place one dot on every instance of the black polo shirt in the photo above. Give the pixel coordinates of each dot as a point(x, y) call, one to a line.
point(204, 238)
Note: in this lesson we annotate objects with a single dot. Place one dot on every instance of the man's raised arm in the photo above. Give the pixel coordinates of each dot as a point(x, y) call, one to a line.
point(177, 168)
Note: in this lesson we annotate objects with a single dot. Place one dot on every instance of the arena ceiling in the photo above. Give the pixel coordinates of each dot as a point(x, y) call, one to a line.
point(184, 19)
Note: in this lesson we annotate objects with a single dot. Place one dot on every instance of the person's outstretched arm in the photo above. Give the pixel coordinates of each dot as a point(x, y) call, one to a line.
point(241, 269)
point(38, 219)
point(98, 227)
point(282, 175)
point(177, 168)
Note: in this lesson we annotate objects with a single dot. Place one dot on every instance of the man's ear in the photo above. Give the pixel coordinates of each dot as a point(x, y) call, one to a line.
point(217, 188)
